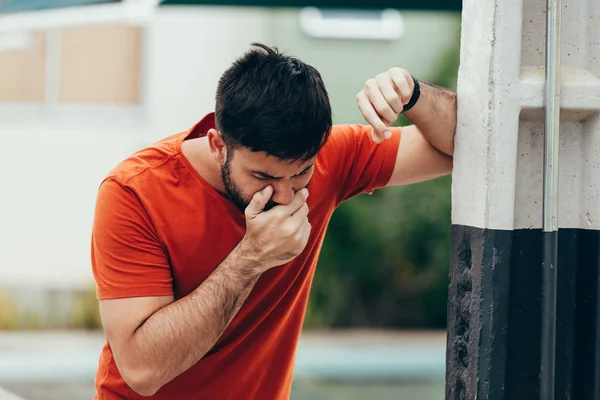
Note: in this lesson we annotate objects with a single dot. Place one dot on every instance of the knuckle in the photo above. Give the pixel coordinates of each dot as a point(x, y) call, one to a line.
point(371, 84)
point(288, 231)
point(280, 213)
point(299, 239)
point(392, 96)
point(396, 103)
point(384, 107)
point(292, 231)
point(298, 205)
point(385, 110)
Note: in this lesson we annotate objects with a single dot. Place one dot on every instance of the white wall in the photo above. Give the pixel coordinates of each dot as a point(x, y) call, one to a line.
point(188, 50)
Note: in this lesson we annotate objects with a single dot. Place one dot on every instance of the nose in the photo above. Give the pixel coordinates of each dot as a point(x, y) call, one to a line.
point(283, 193)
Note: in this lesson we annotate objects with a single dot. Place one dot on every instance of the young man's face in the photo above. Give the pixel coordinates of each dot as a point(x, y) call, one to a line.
point(245, 172)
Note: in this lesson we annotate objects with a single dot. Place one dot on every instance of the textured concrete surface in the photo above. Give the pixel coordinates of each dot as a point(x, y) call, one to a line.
point(497, 181)
point(494, 318)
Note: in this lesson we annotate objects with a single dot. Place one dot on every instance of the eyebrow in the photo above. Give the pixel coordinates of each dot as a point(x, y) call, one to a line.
point(268, 176)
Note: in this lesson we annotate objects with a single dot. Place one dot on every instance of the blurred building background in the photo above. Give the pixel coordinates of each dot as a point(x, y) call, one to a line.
point(74, 101)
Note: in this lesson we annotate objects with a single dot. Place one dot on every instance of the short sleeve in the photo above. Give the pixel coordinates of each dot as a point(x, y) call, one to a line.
point(127, 258)
point(358, 163)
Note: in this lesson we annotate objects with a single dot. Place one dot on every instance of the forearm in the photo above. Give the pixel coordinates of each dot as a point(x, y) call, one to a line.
point(435, 116)
point(177, 336)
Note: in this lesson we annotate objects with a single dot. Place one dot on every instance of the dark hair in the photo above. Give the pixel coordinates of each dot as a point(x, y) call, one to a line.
point(271, 102)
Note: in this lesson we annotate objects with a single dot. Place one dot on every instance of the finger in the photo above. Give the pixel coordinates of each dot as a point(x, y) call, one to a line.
point(306, 229)
point(388, 90)
point(300, 215)
point(370, 115)
point(403, 83)
point(299, 199)
point(383, 109)
point(301, 232)
point(377, 137)
point(386, 135)
point(258, 202)
point(300, 236)
point(298, 232)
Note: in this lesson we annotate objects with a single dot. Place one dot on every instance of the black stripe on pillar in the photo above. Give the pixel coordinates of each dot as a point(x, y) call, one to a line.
point(494, 314)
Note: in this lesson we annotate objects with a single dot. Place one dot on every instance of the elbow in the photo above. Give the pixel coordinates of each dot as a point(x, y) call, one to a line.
point(140, 381)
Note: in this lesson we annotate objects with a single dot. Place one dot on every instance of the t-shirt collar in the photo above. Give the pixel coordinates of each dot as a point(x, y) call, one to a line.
point(203, 126)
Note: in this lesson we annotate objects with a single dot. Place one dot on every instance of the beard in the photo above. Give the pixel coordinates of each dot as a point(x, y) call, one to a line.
point(233, 191)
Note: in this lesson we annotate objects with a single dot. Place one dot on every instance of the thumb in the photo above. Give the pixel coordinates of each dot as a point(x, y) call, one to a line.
point(379, 137)
point(259, 201)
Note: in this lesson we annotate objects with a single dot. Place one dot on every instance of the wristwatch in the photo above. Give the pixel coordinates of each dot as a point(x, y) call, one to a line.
point(415, 96)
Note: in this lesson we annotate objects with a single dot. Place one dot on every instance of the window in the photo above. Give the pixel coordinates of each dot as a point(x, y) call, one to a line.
point(100, 65)
point(76, 74)
point(22, 70)
point(366, 25)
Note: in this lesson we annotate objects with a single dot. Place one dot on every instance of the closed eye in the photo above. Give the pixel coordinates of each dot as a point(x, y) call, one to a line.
point(264, 177)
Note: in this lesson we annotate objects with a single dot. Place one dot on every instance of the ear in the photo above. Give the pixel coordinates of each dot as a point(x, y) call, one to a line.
point(217, 146)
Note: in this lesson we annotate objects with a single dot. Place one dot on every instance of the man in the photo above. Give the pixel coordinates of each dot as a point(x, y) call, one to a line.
point(204, 244)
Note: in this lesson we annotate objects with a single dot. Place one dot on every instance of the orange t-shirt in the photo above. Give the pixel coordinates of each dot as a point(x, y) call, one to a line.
point(161, 229)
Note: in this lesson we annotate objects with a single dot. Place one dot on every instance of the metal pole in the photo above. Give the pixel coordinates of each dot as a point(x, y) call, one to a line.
point(550, 203)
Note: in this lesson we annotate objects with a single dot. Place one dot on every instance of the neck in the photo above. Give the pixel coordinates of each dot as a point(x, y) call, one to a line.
point(198, 154)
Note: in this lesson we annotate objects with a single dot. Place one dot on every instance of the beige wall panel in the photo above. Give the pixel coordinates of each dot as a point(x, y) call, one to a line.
point(22, 72)
point(100, 65)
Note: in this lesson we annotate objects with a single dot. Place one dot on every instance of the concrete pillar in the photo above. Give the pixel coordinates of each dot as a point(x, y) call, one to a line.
point(494, 309)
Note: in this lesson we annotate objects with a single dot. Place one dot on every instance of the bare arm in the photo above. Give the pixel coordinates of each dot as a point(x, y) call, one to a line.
point(426, 148)
point(434, 114)
point(418, 160)
point(155, 339)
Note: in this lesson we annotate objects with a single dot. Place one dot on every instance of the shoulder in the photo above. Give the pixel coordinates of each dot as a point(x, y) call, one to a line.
point(336, 154)
point(147, 161)
point(341, 138)
point(346, 132)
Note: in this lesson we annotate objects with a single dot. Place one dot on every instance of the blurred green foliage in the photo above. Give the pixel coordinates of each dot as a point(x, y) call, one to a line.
point(85, 313)
point(79, 310)
point(8, 312)
point(385, 259)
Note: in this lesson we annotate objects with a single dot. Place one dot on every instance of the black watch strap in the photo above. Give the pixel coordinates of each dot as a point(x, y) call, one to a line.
point(415, 96)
